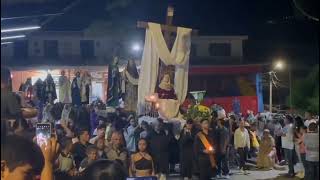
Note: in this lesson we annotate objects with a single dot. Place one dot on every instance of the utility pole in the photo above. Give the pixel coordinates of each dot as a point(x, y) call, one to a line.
point(270, 91)
point(290, 87)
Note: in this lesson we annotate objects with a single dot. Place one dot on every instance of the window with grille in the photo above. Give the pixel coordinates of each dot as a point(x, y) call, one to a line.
point(220, 49)
point(20, 49)
point(87, 48)
point(51, 48)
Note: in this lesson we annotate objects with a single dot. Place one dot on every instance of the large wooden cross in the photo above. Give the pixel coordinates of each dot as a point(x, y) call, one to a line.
point(168, 29)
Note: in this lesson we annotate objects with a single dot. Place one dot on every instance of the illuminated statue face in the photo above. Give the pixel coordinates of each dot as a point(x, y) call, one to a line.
point(166, 78)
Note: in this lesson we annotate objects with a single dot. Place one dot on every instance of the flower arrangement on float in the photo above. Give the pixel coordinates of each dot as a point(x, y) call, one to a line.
point(197, 112)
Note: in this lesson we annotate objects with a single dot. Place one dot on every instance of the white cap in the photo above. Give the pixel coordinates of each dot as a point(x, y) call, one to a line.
point(308, 122)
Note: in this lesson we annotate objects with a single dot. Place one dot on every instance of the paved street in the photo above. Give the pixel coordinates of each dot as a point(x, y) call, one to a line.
point(254, 175)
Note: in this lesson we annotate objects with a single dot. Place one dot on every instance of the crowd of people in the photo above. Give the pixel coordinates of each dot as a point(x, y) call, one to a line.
point(89, 142)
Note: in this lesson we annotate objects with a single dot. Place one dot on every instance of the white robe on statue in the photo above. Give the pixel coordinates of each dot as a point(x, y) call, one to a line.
point(64, 90)
point(155, 47)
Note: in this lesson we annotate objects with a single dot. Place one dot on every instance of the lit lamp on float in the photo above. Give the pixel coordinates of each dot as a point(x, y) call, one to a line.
point(153, 100)
point(157, 105)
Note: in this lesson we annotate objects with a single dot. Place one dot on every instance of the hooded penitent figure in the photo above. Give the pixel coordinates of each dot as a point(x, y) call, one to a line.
point(130, 79)
point(75, 90)
point(114, 84)
point(65, 88)
point(49, 89)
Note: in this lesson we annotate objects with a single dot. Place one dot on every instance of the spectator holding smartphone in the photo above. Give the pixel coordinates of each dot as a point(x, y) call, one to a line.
point(32, 162)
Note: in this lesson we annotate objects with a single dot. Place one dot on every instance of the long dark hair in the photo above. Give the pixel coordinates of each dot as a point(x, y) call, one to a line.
point(147, 148)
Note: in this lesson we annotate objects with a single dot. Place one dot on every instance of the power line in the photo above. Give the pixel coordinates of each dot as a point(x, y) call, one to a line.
point(31, 16)
point(64, 11)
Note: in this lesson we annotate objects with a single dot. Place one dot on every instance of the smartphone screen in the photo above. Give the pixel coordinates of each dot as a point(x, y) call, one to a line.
point(43, 133)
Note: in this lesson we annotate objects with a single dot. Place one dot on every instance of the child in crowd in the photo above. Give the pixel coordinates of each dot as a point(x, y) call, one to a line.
point(65, 161)
point(92, 155)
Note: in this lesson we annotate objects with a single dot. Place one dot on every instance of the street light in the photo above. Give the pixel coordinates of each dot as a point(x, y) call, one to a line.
point(136, 47)
point(279, 65)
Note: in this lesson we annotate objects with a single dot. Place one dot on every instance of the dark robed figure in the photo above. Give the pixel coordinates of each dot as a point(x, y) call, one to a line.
point(114, 83)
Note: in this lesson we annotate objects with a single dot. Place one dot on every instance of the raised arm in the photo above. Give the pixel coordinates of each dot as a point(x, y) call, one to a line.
point(49, 152)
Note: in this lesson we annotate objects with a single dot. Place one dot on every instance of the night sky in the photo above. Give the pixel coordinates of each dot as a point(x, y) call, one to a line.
point(273, 27)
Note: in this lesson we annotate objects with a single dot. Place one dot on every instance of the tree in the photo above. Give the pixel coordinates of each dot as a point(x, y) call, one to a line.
point(305, 92)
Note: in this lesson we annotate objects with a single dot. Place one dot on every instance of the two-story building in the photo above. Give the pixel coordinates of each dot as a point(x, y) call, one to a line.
point(214, 61)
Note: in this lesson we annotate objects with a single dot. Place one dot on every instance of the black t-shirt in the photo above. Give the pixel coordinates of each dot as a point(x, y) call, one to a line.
point(79, 152)
point(221, 137)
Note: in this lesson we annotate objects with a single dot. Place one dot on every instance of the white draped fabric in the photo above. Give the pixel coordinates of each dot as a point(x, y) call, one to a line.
point(85, 80)
point(155, 47)
point(64, 90)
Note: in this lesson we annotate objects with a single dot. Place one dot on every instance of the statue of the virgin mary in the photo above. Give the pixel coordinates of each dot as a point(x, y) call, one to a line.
point(114, 84)
point(165, 89)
